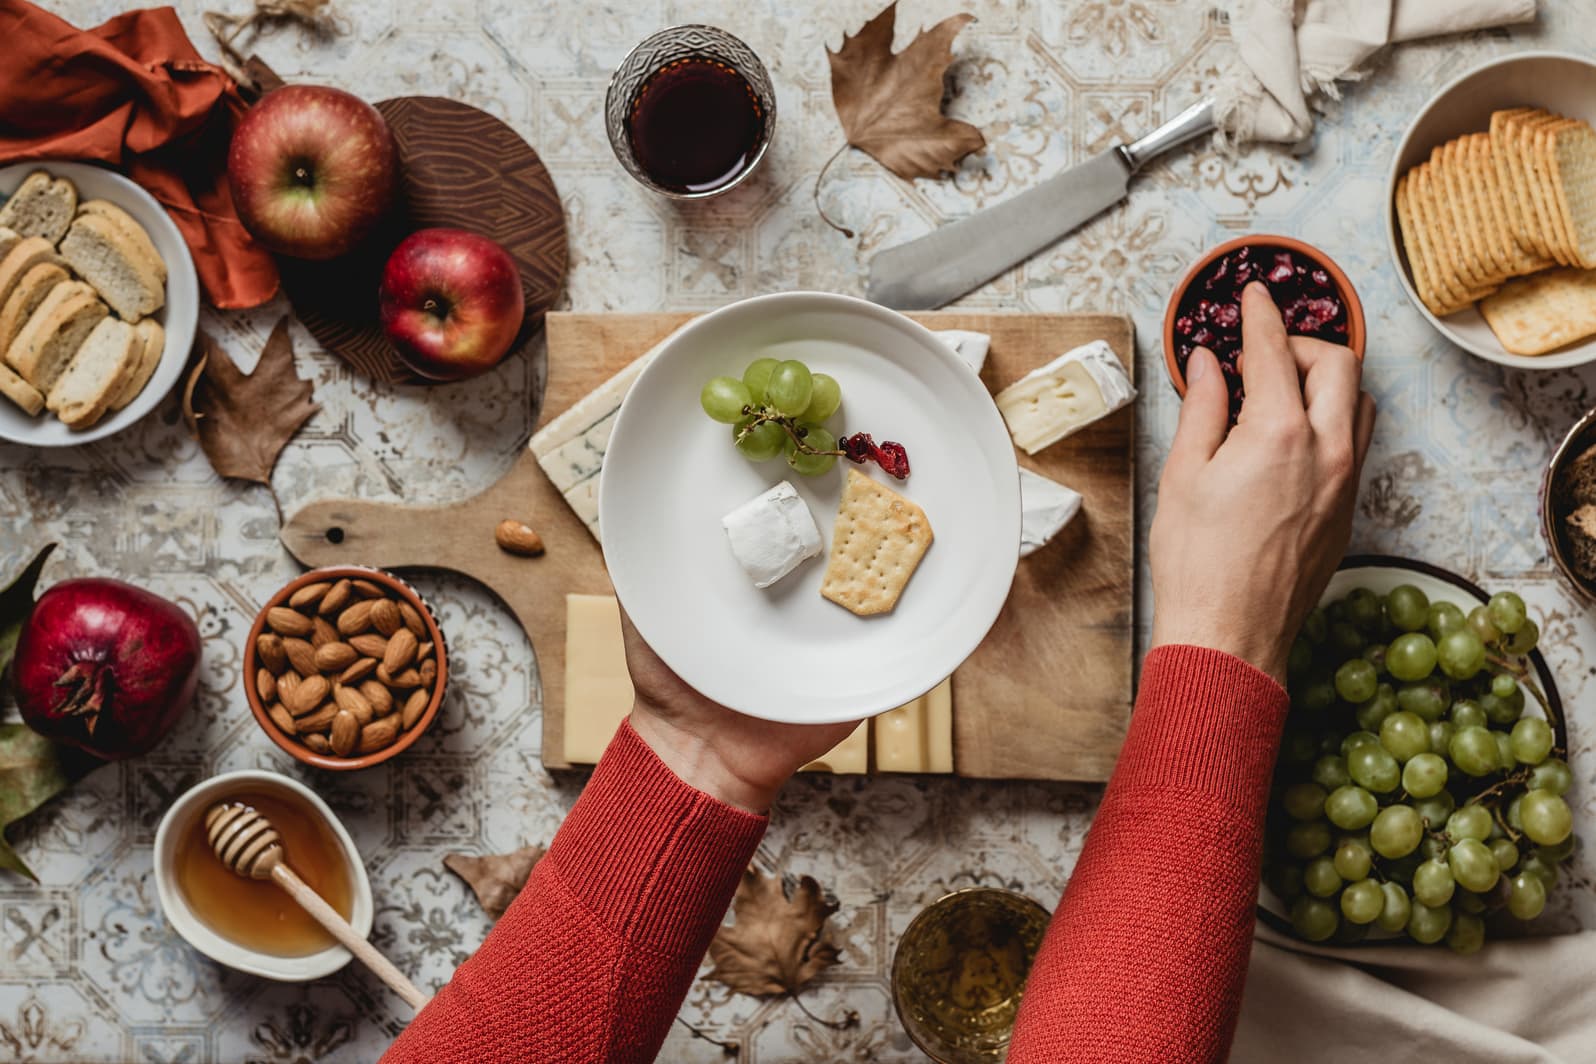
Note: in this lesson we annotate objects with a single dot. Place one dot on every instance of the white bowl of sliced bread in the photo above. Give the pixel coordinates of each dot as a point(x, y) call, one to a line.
point(1492, 210)
point(98, 303)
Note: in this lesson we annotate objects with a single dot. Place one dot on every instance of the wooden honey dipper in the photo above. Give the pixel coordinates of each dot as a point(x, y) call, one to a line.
point(246, 842)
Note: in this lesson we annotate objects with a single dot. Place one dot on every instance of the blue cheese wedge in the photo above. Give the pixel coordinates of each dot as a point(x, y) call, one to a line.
point(971, 347)
point(1046, 506)
point(773, 534)
point(1064, 396)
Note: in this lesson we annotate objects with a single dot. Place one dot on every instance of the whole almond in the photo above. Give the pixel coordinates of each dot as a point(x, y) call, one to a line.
point(428, 672)
point(285, 621)
point(401, 650)
point(385, 616)
point(355, 619)
point(286, 682)
point(354, 702)
point(367, 589)
point(308, 595)
point(336, 599)
point(317, 743)
point(405, 679)
point(424, 650)
point(320, 720)
point(322, 633)
point(415, 706)
point(358, 671)
point(310, 693)
point(283, 720)
point(380, 698)
point(302, 656)
point(413, 621)
point(378, 735)
point(370, 644)
point(336, 657)
point(517, 537)
point(345, 733)
point(269, 648)
point(265, 684)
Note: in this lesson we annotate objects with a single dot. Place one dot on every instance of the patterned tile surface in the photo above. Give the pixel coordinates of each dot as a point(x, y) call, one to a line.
point(90, 970)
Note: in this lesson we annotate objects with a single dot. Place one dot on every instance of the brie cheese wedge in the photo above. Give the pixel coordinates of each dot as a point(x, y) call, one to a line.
point(772, 534)
point(1064, 396)
point(971, 347)
point(1046, 506)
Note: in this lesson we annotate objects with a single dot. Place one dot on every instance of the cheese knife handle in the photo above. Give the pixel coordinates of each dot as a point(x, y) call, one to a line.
point(1194, 121)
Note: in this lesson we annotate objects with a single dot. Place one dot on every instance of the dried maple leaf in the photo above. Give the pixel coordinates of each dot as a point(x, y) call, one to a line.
point(243, 422)
point(890, 105)
point(776, 942)
point(495, 878)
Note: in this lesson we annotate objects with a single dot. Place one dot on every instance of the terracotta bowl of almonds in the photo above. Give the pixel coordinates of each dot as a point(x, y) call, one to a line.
point(345, 667)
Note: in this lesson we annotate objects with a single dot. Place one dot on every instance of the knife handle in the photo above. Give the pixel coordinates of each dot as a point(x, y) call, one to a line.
point(1194, 121)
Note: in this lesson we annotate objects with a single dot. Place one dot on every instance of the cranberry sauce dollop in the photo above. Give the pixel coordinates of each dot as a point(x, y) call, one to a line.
point(1210, 309)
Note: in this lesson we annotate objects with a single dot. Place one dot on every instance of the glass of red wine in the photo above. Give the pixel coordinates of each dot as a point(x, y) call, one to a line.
point(690, 112)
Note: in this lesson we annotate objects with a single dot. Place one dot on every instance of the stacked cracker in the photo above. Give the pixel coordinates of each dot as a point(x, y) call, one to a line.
point(78, 282)
point(1487, 210)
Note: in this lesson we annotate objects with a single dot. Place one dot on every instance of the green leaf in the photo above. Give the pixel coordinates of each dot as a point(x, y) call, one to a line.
point(16, 602)
point(31, 773)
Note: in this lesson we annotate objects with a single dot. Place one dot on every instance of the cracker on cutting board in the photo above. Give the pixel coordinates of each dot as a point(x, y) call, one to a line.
point(1542, 312)
point(876, 545)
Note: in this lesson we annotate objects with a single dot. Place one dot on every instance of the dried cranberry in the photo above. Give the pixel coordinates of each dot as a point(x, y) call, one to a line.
point(1226, 314)
point(893, 458)
point(857, 448)
point(1321, 278)
point(1184, 325)
point(1203, 337)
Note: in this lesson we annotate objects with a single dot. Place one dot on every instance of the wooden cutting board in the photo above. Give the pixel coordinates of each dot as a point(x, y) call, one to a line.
point(1046, 696)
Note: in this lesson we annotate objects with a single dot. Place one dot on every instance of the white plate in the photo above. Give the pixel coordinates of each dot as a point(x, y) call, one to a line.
point(1556, 81)
point(785, 653)
point(177, 317)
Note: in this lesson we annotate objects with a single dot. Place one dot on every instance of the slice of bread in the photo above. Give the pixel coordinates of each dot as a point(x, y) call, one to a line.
point(152, 344)
point(137, 237)
point(99, 370)
point(9, 238)
point(25, 299)
point(54, 333)
point(20, 391)
point(1581, 528)
point(41, 206)
point(28, 253)
point(99, 253)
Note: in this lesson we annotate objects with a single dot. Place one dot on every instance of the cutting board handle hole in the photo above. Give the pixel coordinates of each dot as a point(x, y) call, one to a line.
point(335, 534)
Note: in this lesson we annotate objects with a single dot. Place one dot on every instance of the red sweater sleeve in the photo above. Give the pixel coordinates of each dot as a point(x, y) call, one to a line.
point(1147, 953)
point(592, 960)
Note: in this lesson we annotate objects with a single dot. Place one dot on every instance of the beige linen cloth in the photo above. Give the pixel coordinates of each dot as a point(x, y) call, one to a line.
point(1523, 1001)
point(1293, 53)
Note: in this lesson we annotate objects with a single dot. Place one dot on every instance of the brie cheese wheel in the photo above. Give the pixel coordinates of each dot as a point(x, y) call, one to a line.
point(971, 347)
point(1046, 506)
point(1064, 396)
point(771, 534)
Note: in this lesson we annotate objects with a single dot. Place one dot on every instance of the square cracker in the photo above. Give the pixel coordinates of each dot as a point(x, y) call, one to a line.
point(1527, 131)
point(1457, 212)
point(1492, 174)
point(1452, 288)
point(1522, 202)
point(1540, 313)
point(1414, 242)
point(1570, 157)
point(1493, 234)
point(876, 545)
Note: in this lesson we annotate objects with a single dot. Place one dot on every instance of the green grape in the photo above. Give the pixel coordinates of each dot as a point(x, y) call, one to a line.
point(1330, 772)
point(1527, 897)
point(1547, 818)
point(1471, 821)
point(1314, 918)
point(1329, 743)
point(789, 387)
point(1557, 851)
point(1394, 916)
point(1467, 713)
point(1429, 698)
point(1308, 840)
point(1411, 656)
point(1532, 740)
point(1362, 902)
point(1300, 659)
point(1405, 736)
point(1408, 608)
point(1345, 639)
point(1432, 847)
point(1429, 924)
point(1373, 768)
point(1353, 859)
point(1552, 776)
point(1349, 934)
point(1357, 680)
point(1472, 865)
point(1503, 710)
point(1461, 654)
point(1433, 883)
point(1433, 812)
point(1320, 877)
point(1285, 880)
point(1317, 696)
point(1512, 817)
point(1503, 685)
point(1304, 801)
point(1523, 641)
point(1374, 654)
point(1441, 732)
point(1363, 608)
point(825, 395)
point(1424, 775)
point(1504, 750)
point(812, 465)
point(1474, 751)
point(1351, 807)
point(1371, 714)
point(1507, 612)
point(1467, 934)
point(1468, 902)
point(1444, 617)
point(1357, 739)
point(1401, 870)
point(760, 443)
point(725, 399)
point(1317, 626)
point(1505, 852)
point(757, 376)
point(1480, 624)
point(1541, 869)
point(1396, 831)
point(1298, 748)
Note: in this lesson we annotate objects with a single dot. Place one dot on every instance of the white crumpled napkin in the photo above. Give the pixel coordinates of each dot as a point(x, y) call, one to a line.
point(1292, 52)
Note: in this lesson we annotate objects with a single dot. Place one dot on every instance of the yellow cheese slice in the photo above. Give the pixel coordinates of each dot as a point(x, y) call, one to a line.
point(598, 688)
point(918, 736)
point(851, 756)
point(1044, 409)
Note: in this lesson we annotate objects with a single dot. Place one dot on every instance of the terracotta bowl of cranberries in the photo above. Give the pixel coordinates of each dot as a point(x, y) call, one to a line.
point(1314, 296)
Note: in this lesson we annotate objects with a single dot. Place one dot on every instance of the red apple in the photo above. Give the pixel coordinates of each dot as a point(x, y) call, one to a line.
point(451, 303)
point(312, 170)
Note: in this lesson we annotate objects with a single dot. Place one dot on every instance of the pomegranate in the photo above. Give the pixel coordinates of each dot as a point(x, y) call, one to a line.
point(105, 666)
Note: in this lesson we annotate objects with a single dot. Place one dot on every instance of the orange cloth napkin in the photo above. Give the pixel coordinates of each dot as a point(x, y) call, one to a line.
point(134, 94)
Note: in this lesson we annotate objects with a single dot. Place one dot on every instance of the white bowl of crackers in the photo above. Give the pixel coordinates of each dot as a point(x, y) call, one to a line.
point(98, 302)
point(1492, 219)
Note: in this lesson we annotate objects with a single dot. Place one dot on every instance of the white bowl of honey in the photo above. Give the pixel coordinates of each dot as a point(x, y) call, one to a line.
point(252, 924)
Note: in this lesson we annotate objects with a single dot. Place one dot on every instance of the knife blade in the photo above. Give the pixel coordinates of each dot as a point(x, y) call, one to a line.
point(936, 269)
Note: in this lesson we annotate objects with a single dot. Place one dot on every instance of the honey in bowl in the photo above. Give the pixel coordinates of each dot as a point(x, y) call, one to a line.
point(257, 914)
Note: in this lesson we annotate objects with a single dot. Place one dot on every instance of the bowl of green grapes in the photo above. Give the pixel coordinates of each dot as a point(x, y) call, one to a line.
point(1420, 793)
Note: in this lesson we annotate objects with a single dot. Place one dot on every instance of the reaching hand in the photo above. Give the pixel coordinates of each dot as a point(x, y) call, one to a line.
point(1252, 524)
point(738, 759)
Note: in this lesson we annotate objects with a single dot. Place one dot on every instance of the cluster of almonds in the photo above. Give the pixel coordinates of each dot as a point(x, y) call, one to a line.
point(345, 667)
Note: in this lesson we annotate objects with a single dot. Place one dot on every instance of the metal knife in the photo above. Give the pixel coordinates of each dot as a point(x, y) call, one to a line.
point(940, 267)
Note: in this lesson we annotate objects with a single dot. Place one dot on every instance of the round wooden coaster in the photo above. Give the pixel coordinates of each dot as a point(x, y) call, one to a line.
point(460, 168)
